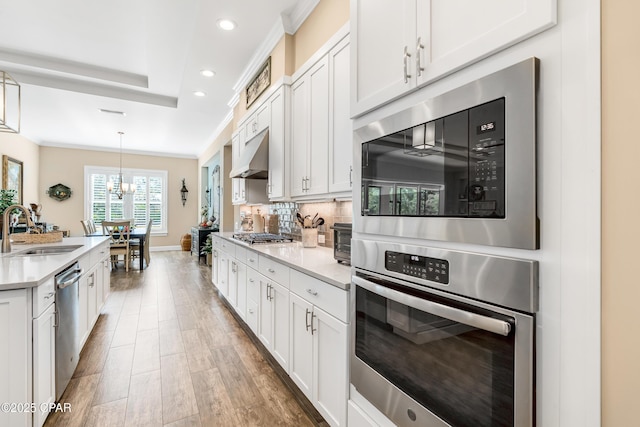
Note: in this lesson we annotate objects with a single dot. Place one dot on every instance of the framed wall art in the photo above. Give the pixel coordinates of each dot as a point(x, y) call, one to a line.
point(260, 82)
point(12, 176)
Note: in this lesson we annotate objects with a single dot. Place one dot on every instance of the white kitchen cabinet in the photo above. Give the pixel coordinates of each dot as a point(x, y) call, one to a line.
point(15, 358)
point(257, 121)
point(277, 185)
point(356, 417)
point(253, 298)
point(241, 289)
point(223, 273)
point(319, 347)
point(273, 325)
point(399, 46)
point(44, 362)
point(301, 365)
point(88, 303)
point(340, 129)
point(310, 131)
point(215, 266)
point(106, 279)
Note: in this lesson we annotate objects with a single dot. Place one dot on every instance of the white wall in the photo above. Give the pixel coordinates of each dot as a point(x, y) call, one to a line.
point(568, 323)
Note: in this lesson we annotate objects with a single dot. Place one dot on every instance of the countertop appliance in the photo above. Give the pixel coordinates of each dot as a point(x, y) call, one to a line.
point(67, 325)
point(442, 337)
point(252, 238)
point(459, 167)
point(342, 242)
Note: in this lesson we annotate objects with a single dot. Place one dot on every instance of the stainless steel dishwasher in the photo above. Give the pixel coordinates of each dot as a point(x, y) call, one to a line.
point(67, 351)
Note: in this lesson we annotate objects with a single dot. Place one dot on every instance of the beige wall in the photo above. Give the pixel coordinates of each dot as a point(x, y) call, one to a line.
point(20, 148)
point(620, 207)
point(327, 18)
point(66, 166)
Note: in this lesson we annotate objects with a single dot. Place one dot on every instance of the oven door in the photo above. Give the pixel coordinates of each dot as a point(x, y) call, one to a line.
point(428, 358)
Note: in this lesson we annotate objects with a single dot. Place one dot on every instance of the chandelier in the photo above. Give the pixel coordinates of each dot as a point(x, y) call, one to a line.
point(122, 187)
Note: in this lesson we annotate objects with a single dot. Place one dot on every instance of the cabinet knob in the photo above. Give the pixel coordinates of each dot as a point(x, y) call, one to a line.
point(271, 270)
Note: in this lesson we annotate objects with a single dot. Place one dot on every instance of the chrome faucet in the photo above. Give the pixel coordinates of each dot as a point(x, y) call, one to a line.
point(6, 244)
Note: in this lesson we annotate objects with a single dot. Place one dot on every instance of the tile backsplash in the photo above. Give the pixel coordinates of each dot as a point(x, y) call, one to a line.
point(331, 212)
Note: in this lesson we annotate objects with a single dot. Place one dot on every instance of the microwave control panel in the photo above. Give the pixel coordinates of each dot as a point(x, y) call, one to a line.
point(432, 269)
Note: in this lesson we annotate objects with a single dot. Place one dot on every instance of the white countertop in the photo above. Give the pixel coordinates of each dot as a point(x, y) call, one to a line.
point(17, 272)
point(317, 262)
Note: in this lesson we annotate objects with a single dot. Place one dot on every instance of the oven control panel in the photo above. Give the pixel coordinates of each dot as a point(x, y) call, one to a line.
point(432, 269)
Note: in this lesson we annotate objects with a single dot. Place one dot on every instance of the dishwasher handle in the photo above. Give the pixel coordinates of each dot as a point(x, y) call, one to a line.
point(68, 277)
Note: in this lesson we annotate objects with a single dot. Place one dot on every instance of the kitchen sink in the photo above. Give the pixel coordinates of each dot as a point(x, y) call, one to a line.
point(47, 250)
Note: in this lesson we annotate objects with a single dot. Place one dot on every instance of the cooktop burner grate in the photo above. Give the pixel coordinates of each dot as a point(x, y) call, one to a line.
point(252, 238)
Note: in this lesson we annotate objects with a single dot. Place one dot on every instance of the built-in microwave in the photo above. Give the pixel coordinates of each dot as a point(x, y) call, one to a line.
point(458, 167)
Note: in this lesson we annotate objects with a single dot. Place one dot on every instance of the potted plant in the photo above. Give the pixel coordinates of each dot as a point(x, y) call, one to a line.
point(207, 248)
point(7, 198)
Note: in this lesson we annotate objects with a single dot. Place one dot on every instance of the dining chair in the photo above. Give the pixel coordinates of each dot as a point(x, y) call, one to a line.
point(135, 247)
point(92, 226)
point(119, 232)
point(85, 225)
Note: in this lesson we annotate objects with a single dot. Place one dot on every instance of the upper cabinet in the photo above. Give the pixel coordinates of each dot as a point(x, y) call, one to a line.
point(321, 149)
point(277, 186)
point(401, 45)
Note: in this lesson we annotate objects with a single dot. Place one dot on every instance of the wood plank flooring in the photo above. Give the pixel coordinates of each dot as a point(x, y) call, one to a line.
point(167, 351)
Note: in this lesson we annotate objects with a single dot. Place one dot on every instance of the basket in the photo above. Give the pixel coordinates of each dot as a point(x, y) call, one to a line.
point(27, 238)
point(185, 242)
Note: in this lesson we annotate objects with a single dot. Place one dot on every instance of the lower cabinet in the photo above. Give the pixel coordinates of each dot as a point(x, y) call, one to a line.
point(44, 363)
point(319, 359)
point(273, 327)
point(223, 273)
point(15, 359)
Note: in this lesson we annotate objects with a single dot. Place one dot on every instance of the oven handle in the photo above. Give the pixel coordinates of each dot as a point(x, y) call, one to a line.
point(479, 321)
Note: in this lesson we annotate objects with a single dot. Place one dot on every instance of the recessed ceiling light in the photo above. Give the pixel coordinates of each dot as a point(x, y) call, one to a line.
point(199, 93)
point(226, 24)
point(119, 113)
point(207, 73)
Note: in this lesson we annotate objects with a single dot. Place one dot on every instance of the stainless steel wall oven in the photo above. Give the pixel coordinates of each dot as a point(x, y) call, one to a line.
point(443, 338)
point(459, 167)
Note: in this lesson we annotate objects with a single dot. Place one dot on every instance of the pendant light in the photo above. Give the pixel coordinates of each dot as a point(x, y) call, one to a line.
point(122, 188)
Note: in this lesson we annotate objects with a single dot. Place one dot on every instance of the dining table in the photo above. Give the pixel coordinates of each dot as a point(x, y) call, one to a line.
point(139, 233)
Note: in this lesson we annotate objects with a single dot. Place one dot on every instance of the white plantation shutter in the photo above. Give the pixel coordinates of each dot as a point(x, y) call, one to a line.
point(145, 204)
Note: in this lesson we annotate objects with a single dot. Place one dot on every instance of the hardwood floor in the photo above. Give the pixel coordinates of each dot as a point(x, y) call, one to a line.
point(166, 351)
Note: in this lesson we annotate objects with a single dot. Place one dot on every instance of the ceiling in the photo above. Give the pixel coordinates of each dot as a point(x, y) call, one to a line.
point(141, 57)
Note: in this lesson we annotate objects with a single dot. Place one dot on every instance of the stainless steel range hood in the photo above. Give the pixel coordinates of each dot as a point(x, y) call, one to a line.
point(254, 160)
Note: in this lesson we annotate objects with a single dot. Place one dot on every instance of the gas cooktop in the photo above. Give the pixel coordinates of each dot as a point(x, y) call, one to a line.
point(252, 238)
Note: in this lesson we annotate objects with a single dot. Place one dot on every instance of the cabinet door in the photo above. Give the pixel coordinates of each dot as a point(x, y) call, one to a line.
point(280, 313)
point(44, 363)
point(83, 310)
point(301, 364)
point(381, 31)
point(215, 264)
point(241, 286)
point(262, 118)
point(299, 135)
point(235, 148)
point(340, 146)
point(232, 289)
point(453, 39)
point(106, 285)
point(277, 145)
point(223, 274)
point(265, 325)
point(92, 296)
point(330, 375)
point(318, 144)
point(14, 357)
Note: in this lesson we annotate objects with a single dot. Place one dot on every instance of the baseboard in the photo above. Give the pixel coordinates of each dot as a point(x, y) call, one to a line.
point(165, 248)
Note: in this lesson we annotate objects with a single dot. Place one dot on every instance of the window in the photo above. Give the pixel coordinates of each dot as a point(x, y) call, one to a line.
point(144, 205)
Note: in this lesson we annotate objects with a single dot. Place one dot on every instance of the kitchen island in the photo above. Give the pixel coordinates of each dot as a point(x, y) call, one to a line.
point(29, 319)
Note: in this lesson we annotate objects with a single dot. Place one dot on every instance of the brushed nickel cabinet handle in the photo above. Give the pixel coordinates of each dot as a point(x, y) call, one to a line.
point(306, 318)
point(407, 55)
point(419, 48)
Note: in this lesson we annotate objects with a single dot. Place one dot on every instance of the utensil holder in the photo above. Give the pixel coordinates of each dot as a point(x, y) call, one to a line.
point(309, 237)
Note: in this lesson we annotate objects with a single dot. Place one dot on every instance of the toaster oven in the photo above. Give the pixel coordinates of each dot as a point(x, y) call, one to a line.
point(342, 242)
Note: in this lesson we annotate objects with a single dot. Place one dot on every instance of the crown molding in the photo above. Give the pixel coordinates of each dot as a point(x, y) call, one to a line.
point(301, 11)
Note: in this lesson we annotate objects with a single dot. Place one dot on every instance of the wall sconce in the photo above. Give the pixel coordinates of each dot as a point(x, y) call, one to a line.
point(183, 192)
point(9, 104)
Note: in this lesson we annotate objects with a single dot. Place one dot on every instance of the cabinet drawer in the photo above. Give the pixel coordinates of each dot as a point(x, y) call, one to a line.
point(98, 254)
point(241, 254)
point(43, 296)
point(252, 259)
point(274, 270)
point(228, 247)
point(253, 285)
point(334, 301)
